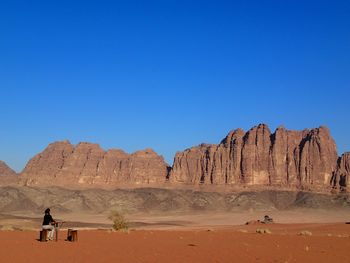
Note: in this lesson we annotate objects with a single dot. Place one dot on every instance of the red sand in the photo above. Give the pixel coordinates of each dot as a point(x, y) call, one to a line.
point(328, 243)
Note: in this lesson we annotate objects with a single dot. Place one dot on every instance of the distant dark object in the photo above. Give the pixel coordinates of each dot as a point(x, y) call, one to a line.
point(267, 220)
point(72, 235)
point(348, 223)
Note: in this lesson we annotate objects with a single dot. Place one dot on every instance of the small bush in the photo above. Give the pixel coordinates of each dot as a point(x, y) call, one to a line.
point(119, 221)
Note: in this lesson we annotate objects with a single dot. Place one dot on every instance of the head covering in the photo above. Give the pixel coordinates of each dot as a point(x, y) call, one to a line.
point(47, 211)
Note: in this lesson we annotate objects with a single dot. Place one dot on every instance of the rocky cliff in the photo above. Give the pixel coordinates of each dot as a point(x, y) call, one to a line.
point(342, 173)
point(62, 163)
point(304, 159)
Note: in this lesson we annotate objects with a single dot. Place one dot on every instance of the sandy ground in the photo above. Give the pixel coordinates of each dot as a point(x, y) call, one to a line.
point(328, 243)
point(195, 237)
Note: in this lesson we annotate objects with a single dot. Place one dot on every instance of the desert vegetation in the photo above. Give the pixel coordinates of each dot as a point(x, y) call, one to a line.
point(119, 221)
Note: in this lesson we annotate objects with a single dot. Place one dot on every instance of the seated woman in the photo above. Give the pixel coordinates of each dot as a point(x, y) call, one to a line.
point(48, 224)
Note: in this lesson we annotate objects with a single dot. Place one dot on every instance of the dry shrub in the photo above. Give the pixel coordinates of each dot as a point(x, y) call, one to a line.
point(119, 221)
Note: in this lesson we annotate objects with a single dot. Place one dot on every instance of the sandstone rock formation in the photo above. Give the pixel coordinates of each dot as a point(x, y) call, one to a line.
point(5, 170)
point(7, 175)
point(258, 157)
point(304, 159)
point(342, 173)
point(62, 163)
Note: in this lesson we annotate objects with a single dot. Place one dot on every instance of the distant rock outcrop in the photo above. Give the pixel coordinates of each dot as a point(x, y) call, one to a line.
point(258, 157)
point(5, 170)
point(62, 163)
point(342, 173)
point(304, 159)
point(7, 175)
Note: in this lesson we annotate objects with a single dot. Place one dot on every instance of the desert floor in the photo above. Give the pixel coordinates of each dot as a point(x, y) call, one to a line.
point(194, 237)
point(329, 242)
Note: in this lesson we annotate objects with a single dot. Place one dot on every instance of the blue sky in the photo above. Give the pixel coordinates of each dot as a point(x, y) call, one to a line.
point(168, 74)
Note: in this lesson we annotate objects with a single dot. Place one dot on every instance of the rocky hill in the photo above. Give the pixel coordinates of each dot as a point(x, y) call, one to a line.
point(156, 200)
point(5, 170)
point(304, 159)
point(62, 163)
point(7, 175)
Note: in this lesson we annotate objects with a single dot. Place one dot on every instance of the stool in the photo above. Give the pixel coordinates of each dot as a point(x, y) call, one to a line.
point(43, 235)
point(72, 235)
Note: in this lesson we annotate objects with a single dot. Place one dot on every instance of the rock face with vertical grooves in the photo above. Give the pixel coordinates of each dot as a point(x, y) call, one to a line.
point(258, 157)
point(62, 163)
point(304, 159)
point(342, 174)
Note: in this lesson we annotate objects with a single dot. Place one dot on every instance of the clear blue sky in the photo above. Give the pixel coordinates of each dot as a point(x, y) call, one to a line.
point(168, 74)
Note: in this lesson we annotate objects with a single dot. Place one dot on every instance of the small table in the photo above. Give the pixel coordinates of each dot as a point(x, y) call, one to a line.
point(57, 225)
